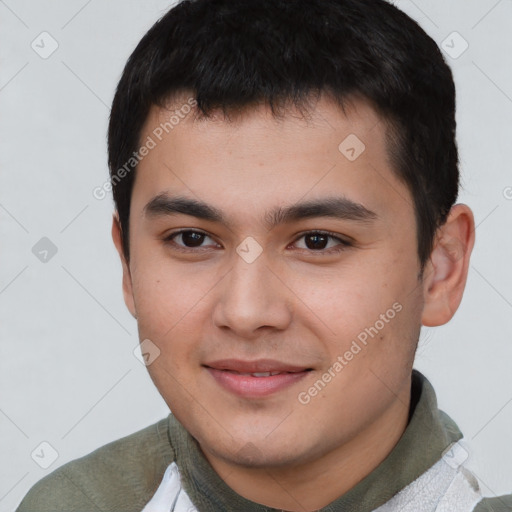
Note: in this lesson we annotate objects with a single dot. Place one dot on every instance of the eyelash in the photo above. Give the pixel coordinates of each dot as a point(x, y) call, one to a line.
point(344, 244)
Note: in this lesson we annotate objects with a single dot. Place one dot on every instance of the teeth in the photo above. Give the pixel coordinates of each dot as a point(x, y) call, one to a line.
point(257, 374)
point(261, 374)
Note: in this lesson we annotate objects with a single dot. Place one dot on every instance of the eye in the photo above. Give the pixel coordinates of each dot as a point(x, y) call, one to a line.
point(321, 242)
point(318, 241)
point(189, 238)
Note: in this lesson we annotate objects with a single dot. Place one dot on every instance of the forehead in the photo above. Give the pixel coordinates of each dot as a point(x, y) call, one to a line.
point(256, 158)
point(319, 115)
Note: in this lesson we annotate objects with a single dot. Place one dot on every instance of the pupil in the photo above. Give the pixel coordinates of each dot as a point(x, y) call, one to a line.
point(317, 240)
point(194, 238)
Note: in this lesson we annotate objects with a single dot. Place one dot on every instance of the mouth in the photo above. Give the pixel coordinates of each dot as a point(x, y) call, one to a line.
point(258, 374)
point(255, 379)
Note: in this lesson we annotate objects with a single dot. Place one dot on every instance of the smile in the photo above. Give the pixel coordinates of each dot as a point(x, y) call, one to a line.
point(255, 379)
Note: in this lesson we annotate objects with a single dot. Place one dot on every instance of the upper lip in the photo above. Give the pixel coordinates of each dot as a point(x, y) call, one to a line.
point(259, 365)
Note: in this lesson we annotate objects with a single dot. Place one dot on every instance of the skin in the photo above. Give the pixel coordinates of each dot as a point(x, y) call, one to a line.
point(293, 303)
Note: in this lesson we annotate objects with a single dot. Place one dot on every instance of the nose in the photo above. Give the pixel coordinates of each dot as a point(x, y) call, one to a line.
point(252, 298)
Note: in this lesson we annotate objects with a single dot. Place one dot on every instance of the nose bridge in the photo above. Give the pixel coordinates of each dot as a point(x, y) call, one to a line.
point(252, 296)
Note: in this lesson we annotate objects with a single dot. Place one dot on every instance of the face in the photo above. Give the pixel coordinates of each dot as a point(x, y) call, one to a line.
point(291, 250)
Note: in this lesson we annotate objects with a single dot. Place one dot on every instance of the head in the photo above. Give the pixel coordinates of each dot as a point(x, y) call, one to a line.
point(287, 201)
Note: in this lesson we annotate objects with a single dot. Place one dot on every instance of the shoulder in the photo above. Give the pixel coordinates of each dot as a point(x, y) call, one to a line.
point(498, 504)
point(122, 475)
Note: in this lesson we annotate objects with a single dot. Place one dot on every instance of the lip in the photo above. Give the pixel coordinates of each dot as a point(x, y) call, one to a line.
point(227, 373)
point(258, 365)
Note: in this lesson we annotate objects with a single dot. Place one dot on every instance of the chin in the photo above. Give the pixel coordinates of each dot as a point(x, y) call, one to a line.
point(258, 452)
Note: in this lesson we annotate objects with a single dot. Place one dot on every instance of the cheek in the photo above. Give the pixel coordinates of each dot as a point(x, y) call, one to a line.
point(367, 315)
point(172, 312)
point(169, 315)
point(346, 300)
point(168, 296)
point(154, 300)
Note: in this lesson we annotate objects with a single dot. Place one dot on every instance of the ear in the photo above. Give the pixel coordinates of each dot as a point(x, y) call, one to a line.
point(446, 272)
point(127, 278)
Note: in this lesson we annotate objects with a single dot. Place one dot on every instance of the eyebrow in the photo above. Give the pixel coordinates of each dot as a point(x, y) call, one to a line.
point(335, 207)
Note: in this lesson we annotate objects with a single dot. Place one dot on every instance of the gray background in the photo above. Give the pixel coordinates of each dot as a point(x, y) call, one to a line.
point(68, 373)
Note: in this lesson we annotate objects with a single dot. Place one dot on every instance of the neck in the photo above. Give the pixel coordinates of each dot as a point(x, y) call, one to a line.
point(313, 485)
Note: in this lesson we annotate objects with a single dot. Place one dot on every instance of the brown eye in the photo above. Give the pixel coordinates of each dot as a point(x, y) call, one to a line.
point(187, 239)
point(192, 238)
point(318, 241)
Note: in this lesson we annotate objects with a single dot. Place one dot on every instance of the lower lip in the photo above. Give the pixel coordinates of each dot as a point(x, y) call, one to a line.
point(248, 386)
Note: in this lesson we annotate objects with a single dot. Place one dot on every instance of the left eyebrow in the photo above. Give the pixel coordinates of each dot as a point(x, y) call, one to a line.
point(335, 207)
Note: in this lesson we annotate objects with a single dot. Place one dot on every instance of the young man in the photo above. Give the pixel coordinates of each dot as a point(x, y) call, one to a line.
point(285, 175)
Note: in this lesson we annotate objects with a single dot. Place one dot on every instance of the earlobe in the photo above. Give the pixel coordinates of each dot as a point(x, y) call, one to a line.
point(446, 273)
point(127, 278)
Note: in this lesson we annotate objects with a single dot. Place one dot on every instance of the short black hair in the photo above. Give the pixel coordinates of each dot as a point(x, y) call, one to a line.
point(232, 55)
